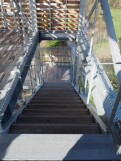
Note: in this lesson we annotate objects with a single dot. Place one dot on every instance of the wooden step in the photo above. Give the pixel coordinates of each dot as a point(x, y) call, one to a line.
point(56, 111)
point(56, 106)
point(57, 84)
point(50, 94)
point(38, 101)
point(55, 119)
point(57, 98)
point(57, 89)
point(28, 128)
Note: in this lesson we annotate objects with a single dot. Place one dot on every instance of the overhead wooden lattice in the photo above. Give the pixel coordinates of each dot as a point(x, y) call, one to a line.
point(51, 14)
point(57, 14)
point(10, 16)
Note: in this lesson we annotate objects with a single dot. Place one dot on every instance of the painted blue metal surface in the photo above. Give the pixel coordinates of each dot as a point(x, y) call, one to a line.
point(57, 35)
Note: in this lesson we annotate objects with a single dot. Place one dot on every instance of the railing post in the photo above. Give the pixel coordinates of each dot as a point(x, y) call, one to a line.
point(82, 12)
point(31, 81)
point(90, 84)
point(73, 52)
point(85, 83)
point(37, 63)
point(93, 28)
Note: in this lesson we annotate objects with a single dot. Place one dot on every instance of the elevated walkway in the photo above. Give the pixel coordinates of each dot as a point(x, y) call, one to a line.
point(69, 130)
point(57, 147)
point(57, 121)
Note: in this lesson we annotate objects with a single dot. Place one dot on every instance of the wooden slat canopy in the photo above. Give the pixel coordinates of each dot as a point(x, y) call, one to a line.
point(51, 15)
point(57, 14)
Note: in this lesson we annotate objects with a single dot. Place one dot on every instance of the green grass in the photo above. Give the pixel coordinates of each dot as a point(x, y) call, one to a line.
point(101, 47)
point(116, 15)
point(103, 51)
point(111, 75)
point(92, 100)
point(54, 43)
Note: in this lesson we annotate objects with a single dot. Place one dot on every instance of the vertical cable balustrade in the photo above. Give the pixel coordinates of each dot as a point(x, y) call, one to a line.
point(28, 91)
point(66, 16)
point(13, 10)
point(3, 15)
point(50, 15)
point(22, 22)
point(33, 15)
point(96, 82)
point(93, 28)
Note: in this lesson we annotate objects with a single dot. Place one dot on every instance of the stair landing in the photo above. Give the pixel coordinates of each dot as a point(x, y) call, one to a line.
point(57, 147)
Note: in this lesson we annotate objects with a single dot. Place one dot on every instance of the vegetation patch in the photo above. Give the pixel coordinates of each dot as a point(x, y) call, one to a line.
point(54, 43)
point(116, 14)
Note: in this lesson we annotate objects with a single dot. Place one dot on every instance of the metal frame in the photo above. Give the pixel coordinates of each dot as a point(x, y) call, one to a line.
point(82, 13)
point(57, 35)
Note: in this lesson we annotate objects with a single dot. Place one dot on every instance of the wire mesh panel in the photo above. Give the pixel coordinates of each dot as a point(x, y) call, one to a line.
point(9, 51)
point(116, 14)
point(15, 30)
point(98, 37)
point(14, 14)
point(56, 64)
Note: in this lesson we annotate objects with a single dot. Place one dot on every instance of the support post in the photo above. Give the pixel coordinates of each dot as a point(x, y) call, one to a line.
point(90, 84)
point(82, 13)
point(37, 63)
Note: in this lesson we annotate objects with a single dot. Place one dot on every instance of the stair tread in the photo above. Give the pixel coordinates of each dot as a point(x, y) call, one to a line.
point(52, 124)
point(56, 120)
point(52, 115)
point(57, 116)
point(55, 129)
point(57, 101)
point(60, 98)
point(55, 109)
point(59, 104)
point(68, 110)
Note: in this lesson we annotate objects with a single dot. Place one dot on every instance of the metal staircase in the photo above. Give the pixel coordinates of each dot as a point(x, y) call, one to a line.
point(40, 120)
point(55, 109)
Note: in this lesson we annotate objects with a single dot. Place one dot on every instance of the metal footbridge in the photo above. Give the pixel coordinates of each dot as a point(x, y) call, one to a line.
point(58, 103)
